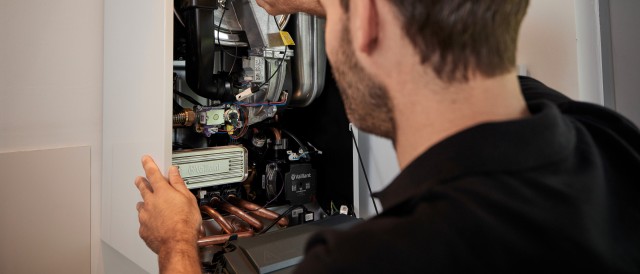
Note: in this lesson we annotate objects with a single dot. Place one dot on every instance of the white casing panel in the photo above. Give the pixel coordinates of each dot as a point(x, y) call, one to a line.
point(138, 58)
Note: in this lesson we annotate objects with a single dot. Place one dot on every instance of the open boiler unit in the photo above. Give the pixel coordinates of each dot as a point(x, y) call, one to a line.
point(256, 139)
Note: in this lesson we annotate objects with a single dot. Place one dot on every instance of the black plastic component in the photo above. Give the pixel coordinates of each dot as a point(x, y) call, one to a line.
point(200, 55)
point(300, 184)
point(279, 251)
point(206, 4)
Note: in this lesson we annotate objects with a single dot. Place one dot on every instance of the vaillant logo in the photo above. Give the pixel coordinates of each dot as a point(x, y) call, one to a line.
point(300, 176)
point(204, 169)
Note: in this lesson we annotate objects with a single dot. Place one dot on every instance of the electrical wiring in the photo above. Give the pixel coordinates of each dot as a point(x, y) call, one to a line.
point(245, 127)
point(274, 198)
point(178, 17)
point(284, 214)
point(270, 173)
point(235, 56)
point(265, 104)
point(275, 19)
point(281, 103)
point(187, 97)
point(284, 56)
point(302, 146)
point(236, 14)
point(364, 171)
point(284, 19)
point(333, 208)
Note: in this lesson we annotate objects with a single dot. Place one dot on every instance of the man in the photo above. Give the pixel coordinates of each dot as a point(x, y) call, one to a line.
point(499, 174)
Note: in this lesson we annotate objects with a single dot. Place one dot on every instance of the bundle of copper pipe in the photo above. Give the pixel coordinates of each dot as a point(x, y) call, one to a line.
point(226, 206)
point(228, 229)
point(236, 229)
point(223, 238)
point(258, 210)
point(217, 217)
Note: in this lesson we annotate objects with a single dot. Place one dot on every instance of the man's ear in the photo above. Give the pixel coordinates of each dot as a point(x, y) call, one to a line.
point(367, 32)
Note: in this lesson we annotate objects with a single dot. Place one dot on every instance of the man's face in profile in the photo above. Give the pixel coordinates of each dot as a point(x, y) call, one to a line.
point(366, 101)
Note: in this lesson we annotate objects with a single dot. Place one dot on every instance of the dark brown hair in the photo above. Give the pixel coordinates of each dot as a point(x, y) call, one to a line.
point(462, 37)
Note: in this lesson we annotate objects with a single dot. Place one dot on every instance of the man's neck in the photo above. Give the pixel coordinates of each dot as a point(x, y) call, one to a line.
point(427, 114)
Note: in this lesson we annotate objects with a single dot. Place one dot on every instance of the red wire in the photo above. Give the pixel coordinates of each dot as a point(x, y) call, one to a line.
point(245, 128)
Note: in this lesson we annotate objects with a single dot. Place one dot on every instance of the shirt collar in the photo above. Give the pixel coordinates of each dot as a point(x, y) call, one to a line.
point(544, 137)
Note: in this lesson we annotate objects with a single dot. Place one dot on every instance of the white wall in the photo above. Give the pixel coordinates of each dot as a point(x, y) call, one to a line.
point(381, 165)
point(589, 52)
point(626, 60)
point(560, 45)
point(51, 87)
point(45, 226)
point(547, 45)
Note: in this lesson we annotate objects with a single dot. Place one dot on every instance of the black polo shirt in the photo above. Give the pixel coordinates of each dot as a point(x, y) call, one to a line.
point(556, 192)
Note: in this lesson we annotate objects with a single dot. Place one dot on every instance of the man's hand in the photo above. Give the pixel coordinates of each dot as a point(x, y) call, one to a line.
point(280, 7)
point(169, 219)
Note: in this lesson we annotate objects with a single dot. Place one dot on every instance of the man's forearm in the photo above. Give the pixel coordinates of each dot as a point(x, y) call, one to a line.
point(181, 259)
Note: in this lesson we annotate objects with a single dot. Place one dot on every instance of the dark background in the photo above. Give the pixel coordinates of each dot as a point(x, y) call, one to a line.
point(325, 125)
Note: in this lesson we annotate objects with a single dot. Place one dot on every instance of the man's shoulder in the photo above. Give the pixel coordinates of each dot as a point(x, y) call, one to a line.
point(534, 90)
point(604, 124)
point(428, 235)
point(385, 244)
point(493, 222)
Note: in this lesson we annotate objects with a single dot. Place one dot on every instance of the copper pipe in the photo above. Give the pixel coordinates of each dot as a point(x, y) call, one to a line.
point(239, 224)
point(185, 118)
point(247, 183)
point(215, 215)
point(238, 212)
point(221, 239)
point(202, 232)
point(258, 210)
point(277, 134)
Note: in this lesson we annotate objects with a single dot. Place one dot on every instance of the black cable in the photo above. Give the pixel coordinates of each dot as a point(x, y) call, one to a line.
point(364, 171)
point(175, 12)
point(213, 48)
point(302, 146)
point(279, 192)
point(277, 24)
point(235, 57)
point(280, 218)
point(272, 200)
point(187, 97)
point(276, 72)
point(279, 65)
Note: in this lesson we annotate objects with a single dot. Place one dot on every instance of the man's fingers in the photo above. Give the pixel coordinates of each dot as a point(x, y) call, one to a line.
point(266, 5)
point(153, 172)
point(263, 4)
point(176, 180)
point(143, 186)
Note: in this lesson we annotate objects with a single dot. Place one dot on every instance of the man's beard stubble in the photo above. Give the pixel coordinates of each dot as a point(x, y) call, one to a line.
point(366, 101)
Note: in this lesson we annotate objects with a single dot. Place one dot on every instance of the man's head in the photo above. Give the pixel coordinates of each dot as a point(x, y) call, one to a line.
point(454, 40)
